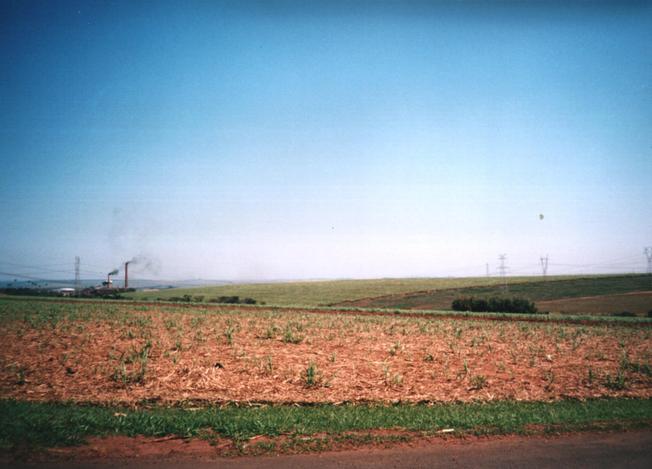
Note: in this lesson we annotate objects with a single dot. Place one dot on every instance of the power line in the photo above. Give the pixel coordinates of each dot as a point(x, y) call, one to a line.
point(544, 266)
point(77, 280)
point(41, 269)
point(502, 269)
point(29, 277)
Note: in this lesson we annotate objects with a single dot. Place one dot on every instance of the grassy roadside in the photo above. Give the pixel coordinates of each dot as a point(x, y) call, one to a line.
point(38, 425)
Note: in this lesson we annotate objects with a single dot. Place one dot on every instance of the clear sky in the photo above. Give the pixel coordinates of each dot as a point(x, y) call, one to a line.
point(329, 139)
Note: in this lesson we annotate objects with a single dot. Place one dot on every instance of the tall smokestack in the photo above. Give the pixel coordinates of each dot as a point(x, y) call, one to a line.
point(108, 277)
point(127, 274)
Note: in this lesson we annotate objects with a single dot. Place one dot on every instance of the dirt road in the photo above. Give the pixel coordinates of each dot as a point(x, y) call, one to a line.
point(632, 449)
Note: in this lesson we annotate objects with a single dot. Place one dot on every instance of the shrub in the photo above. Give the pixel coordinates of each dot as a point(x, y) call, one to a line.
point(624, 314)
point(233, 300)
point(495, 304)
point(178, 299)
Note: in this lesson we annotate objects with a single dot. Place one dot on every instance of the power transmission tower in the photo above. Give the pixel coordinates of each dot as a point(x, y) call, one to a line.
point(502, 268)
point(77, 280)
point(648, 253)
point(487, 269)
point(544, 266)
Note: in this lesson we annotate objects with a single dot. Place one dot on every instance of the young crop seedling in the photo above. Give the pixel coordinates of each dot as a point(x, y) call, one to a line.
point(178, 345)
point(616, 383)
point(311, 375)
point(268, 366)
point(228, 335)
point(590, 377)
point(196, 321)
point(393, 350)
point(269, 333)
point(290, 336)
point(140, 358)
point(549, 377)
point(478, 382)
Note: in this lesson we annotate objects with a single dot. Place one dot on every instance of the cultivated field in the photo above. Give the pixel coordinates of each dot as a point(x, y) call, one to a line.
point(556, 295)
point(639, 303)
point(112, 353)
point(317, 293)
point(598, 294)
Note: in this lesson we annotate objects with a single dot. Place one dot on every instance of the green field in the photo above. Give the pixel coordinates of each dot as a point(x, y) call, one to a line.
point(315, 293)
point(552, 289)
point(429, 293)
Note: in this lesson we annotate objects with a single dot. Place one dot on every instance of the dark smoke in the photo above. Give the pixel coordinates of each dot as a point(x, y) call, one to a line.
point(144, 264)
point(139, 264)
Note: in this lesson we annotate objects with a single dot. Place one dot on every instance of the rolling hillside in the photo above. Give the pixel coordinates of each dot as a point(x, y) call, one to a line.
point(553, 294)
point(315, 293)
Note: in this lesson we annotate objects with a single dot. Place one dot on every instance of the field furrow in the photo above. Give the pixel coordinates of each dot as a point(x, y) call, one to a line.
point(109, 353)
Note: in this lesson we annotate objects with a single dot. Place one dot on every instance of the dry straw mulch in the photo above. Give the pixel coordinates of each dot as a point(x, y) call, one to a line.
point(264, 356)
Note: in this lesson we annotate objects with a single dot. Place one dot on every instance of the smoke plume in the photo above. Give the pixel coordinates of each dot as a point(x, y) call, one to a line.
point(142, 263)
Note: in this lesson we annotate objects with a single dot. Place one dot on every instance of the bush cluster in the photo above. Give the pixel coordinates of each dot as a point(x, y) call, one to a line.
point(177, 299)
point(495, 304)
point(233, 300)
point(624, 314)
point(220, 299)
point(25, 291)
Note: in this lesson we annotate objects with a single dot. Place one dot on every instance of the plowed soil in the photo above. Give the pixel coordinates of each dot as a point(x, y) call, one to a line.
point(175, 355)
point(639, 303)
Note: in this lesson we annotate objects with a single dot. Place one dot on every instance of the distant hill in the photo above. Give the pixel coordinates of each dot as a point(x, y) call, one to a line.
point(594, 294)
point(326, 292)
point(133, 283)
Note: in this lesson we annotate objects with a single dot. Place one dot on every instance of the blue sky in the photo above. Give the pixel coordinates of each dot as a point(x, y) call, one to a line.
point(275, 140)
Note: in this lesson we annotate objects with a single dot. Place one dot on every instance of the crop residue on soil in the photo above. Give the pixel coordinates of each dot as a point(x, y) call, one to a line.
point(172, 355)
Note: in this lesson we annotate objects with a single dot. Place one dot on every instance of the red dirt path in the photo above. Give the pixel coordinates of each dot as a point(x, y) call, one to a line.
point(593, 450)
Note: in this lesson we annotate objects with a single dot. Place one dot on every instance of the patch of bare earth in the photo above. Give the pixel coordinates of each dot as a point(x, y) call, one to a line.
point(116, 447)
point(639, 303)
point(264, 356)
point(120, 448)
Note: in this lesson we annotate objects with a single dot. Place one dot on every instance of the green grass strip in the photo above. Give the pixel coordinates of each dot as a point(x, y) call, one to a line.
point(30, 424)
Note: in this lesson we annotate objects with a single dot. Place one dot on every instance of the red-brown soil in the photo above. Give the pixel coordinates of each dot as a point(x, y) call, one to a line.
point(591, 449)
point(639, 303)
point(248, 356)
